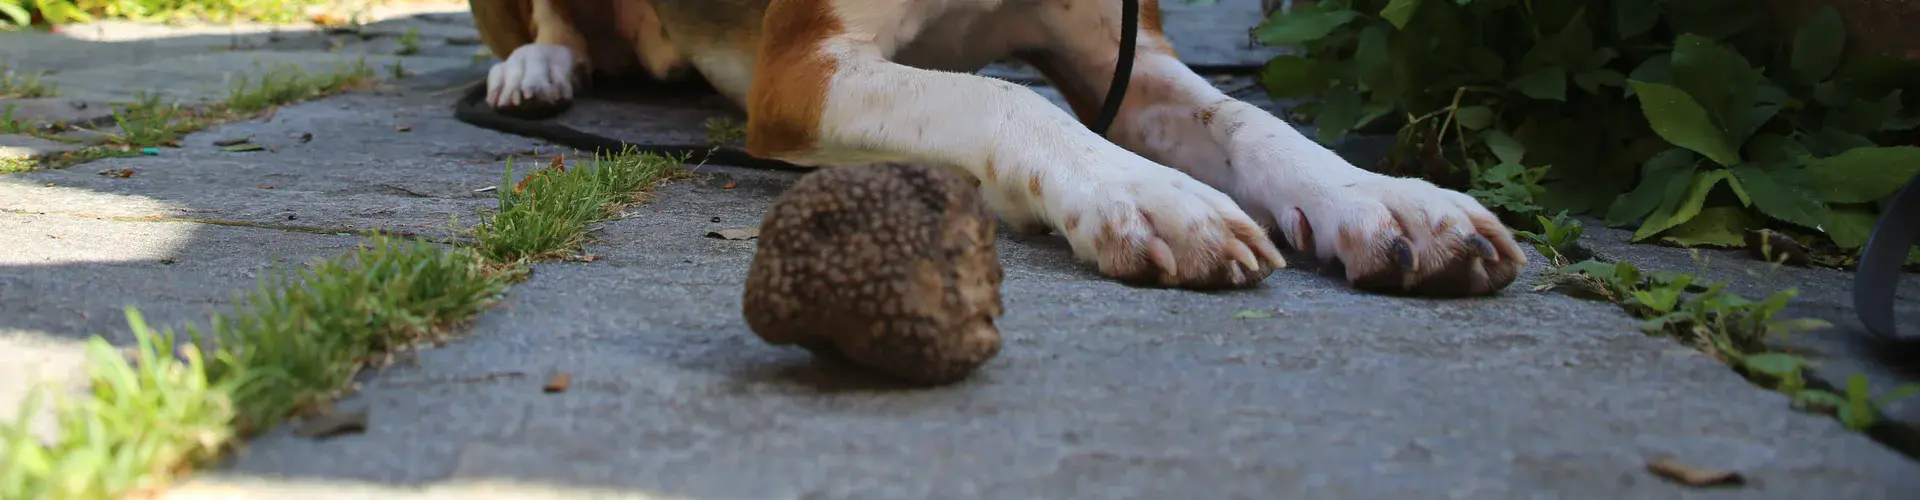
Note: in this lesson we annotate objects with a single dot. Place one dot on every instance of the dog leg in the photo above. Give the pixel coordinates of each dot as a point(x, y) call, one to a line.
point(824, 94)
point(1392, 234)
point(540, 77)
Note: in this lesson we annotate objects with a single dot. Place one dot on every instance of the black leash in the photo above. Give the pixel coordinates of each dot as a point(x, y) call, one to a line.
point(1877, 277)
point(473, 110)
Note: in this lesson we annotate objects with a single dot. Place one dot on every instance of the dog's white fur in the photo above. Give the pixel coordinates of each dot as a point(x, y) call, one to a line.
point(901, 91)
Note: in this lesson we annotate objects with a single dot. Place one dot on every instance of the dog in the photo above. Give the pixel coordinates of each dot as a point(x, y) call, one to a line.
point(1190, 188)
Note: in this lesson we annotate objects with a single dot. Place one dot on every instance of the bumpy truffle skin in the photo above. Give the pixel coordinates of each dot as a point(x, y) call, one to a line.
point(890, 266)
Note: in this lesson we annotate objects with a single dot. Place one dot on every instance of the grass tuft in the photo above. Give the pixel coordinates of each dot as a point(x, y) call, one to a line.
point(546, 214)
point(282, 350)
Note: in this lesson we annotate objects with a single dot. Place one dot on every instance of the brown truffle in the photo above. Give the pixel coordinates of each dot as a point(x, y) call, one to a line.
point(890, 266)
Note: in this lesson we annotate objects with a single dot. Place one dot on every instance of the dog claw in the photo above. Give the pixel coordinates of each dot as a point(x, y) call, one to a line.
point(1485, 248)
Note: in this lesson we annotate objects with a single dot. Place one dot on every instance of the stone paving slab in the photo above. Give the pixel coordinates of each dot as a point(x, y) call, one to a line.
point(1103, 391)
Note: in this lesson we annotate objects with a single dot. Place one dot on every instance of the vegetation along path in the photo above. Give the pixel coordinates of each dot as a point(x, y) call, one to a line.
point(454, 332)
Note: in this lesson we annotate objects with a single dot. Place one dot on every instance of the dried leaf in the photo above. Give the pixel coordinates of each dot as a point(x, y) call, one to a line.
point(558, 383)
point(232, 142)
point(740, 233)
point(1771, 246)
point(118, 172)
point(333, 424)
point(241, 148)
point(730, 185)
point(402, 128)
point(1670, 468)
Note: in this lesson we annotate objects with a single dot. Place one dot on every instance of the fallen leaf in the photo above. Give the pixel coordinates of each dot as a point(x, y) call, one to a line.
point(1772, 246)
point(1670, 468)
point(402, 128)
point(266, 187)
point(333, 424)
point(739, 233)
point(558, 383)
point(118, 172)
point(730, 185)
point(232, 142)
point(241, 148)
point(1252, 314)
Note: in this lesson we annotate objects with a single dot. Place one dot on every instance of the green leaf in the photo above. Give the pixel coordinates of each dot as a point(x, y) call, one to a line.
point(1862, 175)
point(1849, 227)
point(1304, 24)
point(1504, 146)
point(1716, 77)
point(1775, 363)
point(1676, 212)
point(1633, 17)
point(17, 13)
point(1373, 62)
point(1714, 226)
point(1546, 83)
point(1776, 151)
point(1474, 117)
point(1290, 77)
point(1831, 141)
point(1753, 119)
point(1252, 314)
point(1817, 46)
point(1681, 121)
point(1399, 11)
point(1591, 81)
point(1670, 169)
point(1866, 117)
point(1339, 112)
point(1780, 200)
point(1656, 69)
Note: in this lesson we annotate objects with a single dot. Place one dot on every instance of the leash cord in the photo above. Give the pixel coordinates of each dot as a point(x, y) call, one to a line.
point(1122, 67)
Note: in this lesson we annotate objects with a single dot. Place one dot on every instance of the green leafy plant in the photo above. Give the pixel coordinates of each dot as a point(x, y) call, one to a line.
point(18, 13)
point(18, 85)
point(1558, 238)
point(1690, 121)
point(409, 43)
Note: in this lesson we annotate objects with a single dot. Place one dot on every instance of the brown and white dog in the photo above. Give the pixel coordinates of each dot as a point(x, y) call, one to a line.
point(1178, 197)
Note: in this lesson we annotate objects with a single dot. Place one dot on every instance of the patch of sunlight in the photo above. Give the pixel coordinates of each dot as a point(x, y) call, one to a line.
point(31, 359)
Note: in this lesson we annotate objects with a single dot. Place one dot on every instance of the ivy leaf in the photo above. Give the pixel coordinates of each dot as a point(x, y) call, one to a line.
point(1399, 12)
point(1290, 77)
point(1656, 69)
point(1681, 121)
point(1817, 46)
point(1849, 227)
point(1474, 117)
point(1715, 226)
point(1862, 175)
point(1633, 17)
point(1504, 146)
point(1673, 167)
point(1339, 112)
point(1780, 200)
point(1373, 62)
point(1304, 24)
point(1675, 212)
point(1544, 83)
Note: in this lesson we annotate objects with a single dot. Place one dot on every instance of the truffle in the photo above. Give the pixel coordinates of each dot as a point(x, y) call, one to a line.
point(891, 267)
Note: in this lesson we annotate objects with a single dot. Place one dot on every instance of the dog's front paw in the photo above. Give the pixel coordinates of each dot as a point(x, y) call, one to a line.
point(1170, 230)
point(1403, 235)
point(536, 80)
